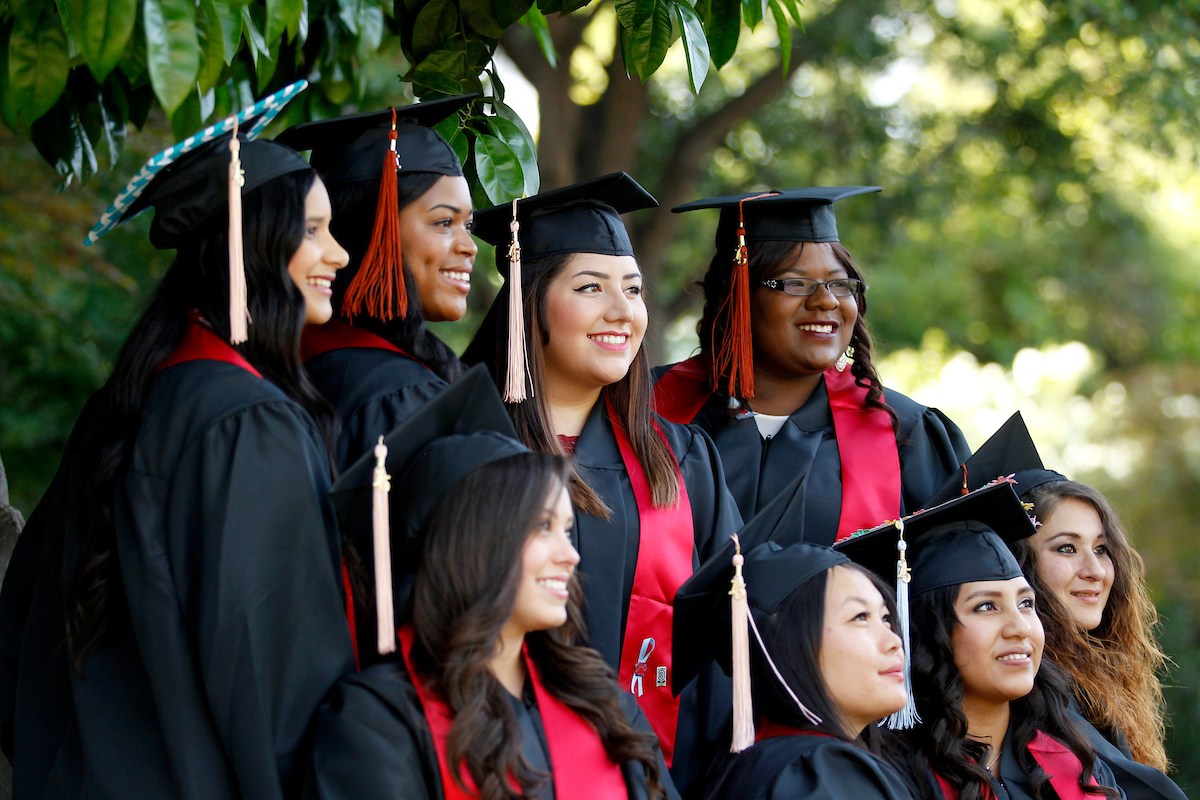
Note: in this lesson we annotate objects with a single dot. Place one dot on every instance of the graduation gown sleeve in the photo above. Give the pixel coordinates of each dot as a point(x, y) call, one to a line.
point(1138, 781)
point(796, 768)
point(373, 392)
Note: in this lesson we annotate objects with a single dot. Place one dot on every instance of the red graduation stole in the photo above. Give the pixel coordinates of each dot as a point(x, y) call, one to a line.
point(866, 439)
point(1052, 756)
point(581, 767)
point(663, 564)
point(201, 343)
point(337, 335)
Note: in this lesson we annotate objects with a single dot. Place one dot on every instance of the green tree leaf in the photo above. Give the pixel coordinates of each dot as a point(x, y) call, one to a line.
point(37, 69)
point(541, 33)
point(481, 15)
point(459, 144)
point(280, 15)
point(435, 25)
point(370, 30)
point(212, 45)
point(101, 30)
point(499, 169)
point(695, 46)
point(173, 50)
point(722, 28)
point(231, 27)
point(647, 25)
point(522, 145)
point(785, 33)
point(258, 46)
point(509, 12)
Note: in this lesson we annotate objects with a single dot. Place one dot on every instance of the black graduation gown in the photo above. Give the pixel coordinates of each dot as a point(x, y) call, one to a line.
point(373, 392)
point(930, 446)
point(1138, 781)
point(1015, 784)
point(608, 551)
point(232, 625)
point(808, 767)
point(371, 741)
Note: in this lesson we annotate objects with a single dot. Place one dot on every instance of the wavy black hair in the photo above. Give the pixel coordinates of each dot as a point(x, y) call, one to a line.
point(766, 260)
point(353, 223)
point(941, 737)
point(481, 527)
point(198, 279)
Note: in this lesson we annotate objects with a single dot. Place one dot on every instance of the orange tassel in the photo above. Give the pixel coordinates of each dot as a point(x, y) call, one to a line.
point(378, 288)
point(515, 379)
point(735, 355)
point(239, 315)
point(965, 490)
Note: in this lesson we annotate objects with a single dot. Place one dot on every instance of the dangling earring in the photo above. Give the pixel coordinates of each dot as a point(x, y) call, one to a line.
point(844, 359)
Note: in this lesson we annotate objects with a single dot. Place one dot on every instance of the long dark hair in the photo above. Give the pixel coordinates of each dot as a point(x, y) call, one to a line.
point(1114, 667)
point(273, 228)
point(353, 222)
point(462, 597)
point(941, 736)
point(768, 259)
point(793, 635)
point(630, 396)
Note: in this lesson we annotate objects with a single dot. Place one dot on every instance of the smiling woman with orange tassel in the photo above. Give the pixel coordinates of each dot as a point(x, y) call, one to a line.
point(784, 382)
point(402, 208)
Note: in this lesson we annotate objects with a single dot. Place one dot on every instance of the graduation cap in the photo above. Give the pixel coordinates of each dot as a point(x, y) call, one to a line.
point(457, 432)
point(379, 145)
point(1009, 451)
point(790, 215)
point(966, 539)
point(581, 218)
point(204, 175)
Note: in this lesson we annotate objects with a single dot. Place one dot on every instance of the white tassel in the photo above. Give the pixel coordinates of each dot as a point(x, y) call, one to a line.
point(515, 379)
point(906, 717)
point(239, 315)
point(381, 484)
point(743, 703)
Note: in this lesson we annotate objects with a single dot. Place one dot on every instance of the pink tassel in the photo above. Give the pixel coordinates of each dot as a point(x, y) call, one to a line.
point(239, 315)
point(743, 704)
point(381, 484)
point(515, 380)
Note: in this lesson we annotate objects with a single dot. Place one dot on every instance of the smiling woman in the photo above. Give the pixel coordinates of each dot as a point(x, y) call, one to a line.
point(408, 232)
point(651, 494)
point(785, 383)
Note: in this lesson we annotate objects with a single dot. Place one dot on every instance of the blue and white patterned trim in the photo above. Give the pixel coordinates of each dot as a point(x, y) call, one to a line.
point(268, 107)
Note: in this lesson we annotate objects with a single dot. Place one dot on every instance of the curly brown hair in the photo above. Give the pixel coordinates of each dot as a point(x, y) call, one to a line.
point(1115, 667)
point(766, 260)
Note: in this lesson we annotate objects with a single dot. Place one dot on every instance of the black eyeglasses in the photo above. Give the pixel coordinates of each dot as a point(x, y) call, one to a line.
point(802, 287)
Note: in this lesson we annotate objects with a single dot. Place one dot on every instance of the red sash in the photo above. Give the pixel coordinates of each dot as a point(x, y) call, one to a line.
point(200, 343)
point(663, 564)
point(769, 730)
point(866, 439)
point(337, 335)
point(581, 767)
point(1052, 756)
point(870, 459)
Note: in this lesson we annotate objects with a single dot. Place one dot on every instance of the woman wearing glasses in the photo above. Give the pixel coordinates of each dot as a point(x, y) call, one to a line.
point(784, 381)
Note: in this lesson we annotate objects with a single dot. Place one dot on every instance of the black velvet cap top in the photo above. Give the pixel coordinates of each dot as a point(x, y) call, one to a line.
point(462, 429)
point(350, 149)
point(790, 215)
point(964, 540)
point(195, 188)
point(1009, 450)
point(580, 218)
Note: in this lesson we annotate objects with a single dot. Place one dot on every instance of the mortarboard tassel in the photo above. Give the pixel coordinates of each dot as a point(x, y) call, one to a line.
point(743, 703)
point(239, 315)
point(735, 354)
point(515, 379)
point(378, 288)
point(381, 484)
point(906, 717)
